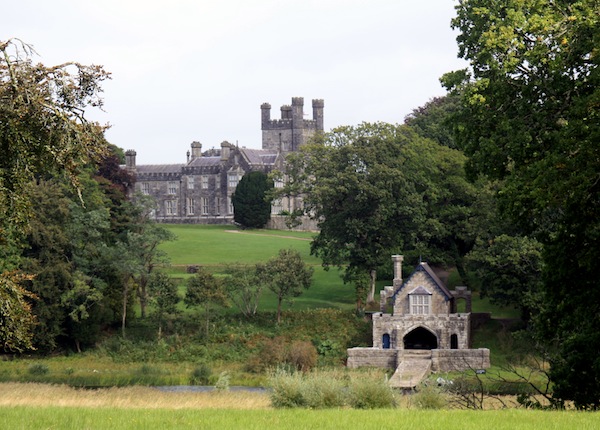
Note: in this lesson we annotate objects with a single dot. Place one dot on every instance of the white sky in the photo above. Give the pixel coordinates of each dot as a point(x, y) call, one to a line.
point(185, 70)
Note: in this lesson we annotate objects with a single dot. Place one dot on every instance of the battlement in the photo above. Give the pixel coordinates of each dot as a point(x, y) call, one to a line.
point(291, 131)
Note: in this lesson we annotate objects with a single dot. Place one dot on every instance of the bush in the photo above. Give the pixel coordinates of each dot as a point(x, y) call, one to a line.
point(429, 397)
point(38, 369)
point(319, 390)
point(200, 375)
point(302, 355)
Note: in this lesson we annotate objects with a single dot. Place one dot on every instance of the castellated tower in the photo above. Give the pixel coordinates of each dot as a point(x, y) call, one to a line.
point(292, 131)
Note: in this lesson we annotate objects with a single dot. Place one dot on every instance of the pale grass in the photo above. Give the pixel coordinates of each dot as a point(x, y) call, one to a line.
point(44, 395)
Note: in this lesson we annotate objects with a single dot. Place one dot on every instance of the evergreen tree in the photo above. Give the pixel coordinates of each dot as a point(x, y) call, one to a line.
point(252, 208)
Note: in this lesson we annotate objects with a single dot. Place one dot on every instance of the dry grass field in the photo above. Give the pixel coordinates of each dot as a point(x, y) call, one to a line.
point(44, 395)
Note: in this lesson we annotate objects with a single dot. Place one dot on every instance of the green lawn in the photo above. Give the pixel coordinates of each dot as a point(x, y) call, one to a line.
point(114, 418)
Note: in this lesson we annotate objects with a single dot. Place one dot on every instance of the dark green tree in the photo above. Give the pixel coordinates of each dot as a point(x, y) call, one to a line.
point(286, 275)
point(530, 116)
point(433, 120)
point(251, 205)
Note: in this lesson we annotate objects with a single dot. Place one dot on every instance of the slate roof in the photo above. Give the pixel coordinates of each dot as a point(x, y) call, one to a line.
point(259, 156)
point(424, 267)
point(204, 162)
point(159, 168)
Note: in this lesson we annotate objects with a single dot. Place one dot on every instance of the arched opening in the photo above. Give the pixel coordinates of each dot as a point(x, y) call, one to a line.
point(453, 341)
point(386, 341)
point(420, 338)
point(461, 305)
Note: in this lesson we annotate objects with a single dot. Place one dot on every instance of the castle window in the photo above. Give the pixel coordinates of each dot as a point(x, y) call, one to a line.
point(278, 183)
point(145, 188)
point(190, 182)
point(204, 206)
point(190, 206)
point(204, 182)
point(229, 205)
point(420, 301)
point(218, 206)
point(171, 207)
point(232, 179)
point(172, 188)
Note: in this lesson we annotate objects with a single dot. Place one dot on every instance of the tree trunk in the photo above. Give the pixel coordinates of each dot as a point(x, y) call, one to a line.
point(279, 299)
point(125, 294)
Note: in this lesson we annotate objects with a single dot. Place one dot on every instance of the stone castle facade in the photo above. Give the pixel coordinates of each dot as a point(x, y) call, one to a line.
point(199, 190)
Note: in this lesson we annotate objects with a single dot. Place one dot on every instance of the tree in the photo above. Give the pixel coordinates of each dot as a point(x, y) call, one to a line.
point(377, 188)
point(244, 286)
point(251, 206)
point(433, 120)
point(163, 294)
point(43, 129)
point(530, 117)
point(203, 289)
point(286, 275)
point(509, 269)
point(15, 313)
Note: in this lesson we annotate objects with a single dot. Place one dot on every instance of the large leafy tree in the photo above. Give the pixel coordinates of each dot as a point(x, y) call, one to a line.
point(43, 129)
point(530, 116)
point(252, 208)
point(380, 188)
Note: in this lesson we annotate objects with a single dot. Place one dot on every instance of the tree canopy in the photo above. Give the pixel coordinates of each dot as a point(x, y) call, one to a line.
point(530, 115)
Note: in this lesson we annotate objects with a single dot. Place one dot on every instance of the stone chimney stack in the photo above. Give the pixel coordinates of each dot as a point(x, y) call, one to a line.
point(130, 159)
point(196, 150)
point(397, 260)
point(225, 150)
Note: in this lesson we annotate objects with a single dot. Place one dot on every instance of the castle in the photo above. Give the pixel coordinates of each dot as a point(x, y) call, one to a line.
point(199, 190)
point(423, 333)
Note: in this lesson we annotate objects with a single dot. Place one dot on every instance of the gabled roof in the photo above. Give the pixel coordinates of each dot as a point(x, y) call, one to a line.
point(424, 267)
point(259, 156)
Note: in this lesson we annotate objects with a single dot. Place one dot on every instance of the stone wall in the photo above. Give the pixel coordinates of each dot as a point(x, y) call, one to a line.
point(448, 360)
point(372, 357)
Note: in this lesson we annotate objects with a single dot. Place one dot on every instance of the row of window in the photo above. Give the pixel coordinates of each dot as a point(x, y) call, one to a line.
point(190, 208)
point(172, 186)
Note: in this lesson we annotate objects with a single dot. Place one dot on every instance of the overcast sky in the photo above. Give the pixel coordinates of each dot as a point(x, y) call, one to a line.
point(185, 70)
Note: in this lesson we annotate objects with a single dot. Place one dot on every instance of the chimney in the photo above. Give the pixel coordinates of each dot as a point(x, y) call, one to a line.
point(225, 150)
point(196, 150)
point(130, 159)
point(397, 260)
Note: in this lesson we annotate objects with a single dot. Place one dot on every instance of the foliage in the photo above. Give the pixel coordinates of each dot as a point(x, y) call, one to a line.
point(286, 275)
point(201, 375)
point(319, 390)
point(17, 322)
point(377, 188)
point(509, 269)
point(433, 119)
point(244, 286)
point(429, 396)
point(530, 117)
point(204, 289)
point(251, 206)
point(163, 295)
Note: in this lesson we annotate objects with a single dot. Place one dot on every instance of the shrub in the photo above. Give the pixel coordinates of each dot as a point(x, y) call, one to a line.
point(200, 375)
point(38, 369)
point(302, 355)
point(222, 383)
point(429, 397)
point(319, 390)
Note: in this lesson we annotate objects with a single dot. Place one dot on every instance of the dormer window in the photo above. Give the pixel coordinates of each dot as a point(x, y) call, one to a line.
point(420, 301)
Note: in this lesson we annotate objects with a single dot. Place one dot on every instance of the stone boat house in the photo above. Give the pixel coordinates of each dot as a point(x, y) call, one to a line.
point(199, 190)
point(423, 333)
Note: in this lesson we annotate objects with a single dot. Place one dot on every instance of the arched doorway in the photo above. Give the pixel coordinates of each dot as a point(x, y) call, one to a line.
point(453, 341)
point(386, 341)
point(420, 338)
